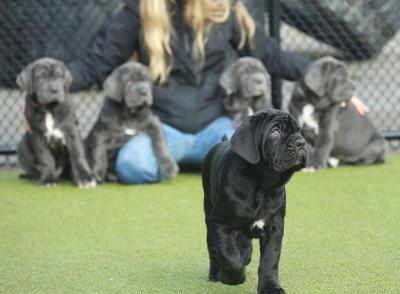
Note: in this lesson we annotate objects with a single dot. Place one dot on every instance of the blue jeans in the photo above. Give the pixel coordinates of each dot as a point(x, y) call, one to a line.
point(136, 162)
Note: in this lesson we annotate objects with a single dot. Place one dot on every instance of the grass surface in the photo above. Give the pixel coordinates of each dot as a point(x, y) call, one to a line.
point(342, 236)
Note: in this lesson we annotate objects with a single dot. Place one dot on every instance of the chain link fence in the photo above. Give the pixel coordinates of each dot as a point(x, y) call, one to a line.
point(363, 33)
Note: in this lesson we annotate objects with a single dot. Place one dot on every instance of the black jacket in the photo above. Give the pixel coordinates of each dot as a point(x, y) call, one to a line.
point(187, 102)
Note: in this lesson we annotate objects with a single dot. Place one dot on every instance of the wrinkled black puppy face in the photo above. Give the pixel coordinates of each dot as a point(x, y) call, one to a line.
point(48, 79)
point(328, 80)
point(273, 138)
point(130, 85)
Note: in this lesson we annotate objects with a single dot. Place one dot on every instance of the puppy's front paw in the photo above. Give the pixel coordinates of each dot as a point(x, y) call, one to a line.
point(309, 170)
point(213, 276)
point(86, 184)
point(99, 175)
point(274, 291)
point(234, 279)
point(333, 162)
point(49, 184)
point(313, 168)
point(169, 168)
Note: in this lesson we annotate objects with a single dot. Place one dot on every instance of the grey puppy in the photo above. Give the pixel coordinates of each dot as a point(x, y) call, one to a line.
point(246, 84)
point(330, 123)
point(52, 146)
point(126, 111)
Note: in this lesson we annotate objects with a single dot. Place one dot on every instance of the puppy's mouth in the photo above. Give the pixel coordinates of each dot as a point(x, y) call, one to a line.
point(257, 95)
point(52, 104)
point(301, 160)
point(138, 108)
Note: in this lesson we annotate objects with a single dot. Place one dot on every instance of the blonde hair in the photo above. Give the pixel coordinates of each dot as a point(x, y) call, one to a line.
point(156, 24)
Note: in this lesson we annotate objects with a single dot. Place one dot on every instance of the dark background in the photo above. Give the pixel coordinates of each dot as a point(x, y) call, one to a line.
point(363, 33)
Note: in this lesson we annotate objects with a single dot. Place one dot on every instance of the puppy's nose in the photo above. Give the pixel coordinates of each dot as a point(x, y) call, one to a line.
point(299, 143)
point(143, 91)
point(258, 80)
point(54, 89)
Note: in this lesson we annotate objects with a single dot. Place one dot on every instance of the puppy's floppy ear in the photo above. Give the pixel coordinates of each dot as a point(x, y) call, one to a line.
point(229, 79)
point(144, 72)
point(243, 141)
point(24, 79)
point(112, 85)
point(67, 78)
point(259, 66)
point(315, 79)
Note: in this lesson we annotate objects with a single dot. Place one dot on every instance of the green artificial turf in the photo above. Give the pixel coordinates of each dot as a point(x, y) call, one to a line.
point(342, 235)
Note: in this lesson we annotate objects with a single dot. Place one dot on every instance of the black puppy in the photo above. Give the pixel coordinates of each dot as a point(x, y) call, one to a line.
point(246, 84)
point(244, 196)
point(126, 111)
point(52, 146)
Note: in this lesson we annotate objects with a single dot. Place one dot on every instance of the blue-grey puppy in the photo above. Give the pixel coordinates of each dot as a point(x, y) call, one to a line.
point(125, 112)
point(331, 125)
point(52, 145)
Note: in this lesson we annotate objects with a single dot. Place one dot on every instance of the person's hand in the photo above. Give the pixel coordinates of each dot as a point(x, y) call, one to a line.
point(358, 104)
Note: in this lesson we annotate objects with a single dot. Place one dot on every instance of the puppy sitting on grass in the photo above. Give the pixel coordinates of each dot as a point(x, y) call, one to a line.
point(126, 111)
point(52, 145)
point(246, 85)
point(329, 122)
point(244, 196)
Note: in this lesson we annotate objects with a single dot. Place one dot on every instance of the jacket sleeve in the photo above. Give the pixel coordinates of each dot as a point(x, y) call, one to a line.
point(278, 62)
point(112, 46)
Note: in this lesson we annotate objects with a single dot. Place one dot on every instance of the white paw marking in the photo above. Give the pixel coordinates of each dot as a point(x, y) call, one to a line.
point(309, 170)
point(87, 185)
point(130, 132)
point(333, 162)
point(307, 118)
point(51, 131)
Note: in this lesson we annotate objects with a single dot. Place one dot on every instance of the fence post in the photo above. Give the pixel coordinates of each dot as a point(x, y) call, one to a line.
point(274, 9)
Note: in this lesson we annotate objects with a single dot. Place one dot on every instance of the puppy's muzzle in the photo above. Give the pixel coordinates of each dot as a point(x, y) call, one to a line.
point(299, 147)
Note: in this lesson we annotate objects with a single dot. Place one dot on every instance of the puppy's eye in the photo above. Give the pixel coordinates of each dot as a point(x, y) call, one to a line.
point(275, 133)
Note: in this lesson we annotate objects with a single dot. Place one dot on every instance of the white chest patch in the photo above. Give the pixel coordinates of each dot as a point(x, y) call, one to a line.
point(53, 133)
point(260, 224)
point(130, 132)
point(250, 111)
point(307, 118)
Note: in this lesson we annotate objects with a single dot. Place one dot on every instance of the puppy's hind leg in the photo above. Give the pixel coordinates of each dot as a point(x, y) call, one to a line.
point(27, 159)
point(374, 152)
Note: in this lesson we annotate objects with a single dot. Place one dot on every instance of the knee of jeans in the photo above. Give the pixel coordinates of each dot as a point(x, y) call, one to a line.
point(225, 126)
point(131, 171)
point(136, 164)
